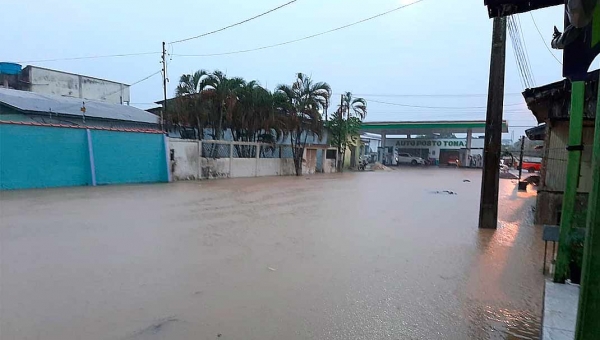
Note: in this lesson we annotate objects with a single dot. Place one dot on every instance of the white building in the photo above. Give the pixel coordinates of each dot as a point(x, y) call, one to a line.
point(46, 81)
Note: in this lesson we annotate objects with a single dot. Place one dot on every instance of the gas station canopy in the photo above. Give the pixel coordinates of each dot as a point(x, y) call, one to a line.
point(427, 127)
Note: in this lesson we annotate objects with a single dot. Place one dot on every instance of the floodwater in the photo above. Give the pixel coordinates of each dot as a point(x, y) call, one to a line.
point(372, 255)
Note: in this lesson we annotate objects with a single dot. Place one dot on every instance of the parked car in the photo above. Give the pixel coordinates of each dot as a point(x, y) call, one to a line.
point(531, 166)
point(453, 161)
point(406, 158)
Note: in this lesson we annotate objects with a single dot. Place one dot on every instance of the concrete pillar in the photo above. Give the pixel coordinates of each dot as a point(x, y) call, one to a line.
point(469, 143)
point(230, 158)
point(257, 158)
point(383, 153)
point(167, 157)
point(91, 155)
point(199, 159)
point(324, 159)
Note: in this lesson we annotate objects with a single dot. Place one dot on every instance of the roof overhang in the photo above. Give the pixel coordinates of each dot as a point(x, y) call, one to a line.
point(426, 127)
point(536, 133)
point(501, 8)
point(553, 101)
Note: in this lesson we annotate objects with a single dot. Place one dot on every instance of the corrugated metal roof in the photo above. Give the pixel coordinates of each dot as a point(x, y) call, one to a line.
point(36, 102)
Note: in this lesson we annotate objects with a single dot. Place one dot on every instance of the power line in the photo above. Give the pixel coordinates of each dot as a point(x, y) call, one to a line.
point(435, 107)
point(520, 56)
point(134, 83)
point(233, 25)
point(301, 39)
point(520, 28)
point(89, 57)
point(430, 95)
point(522, 75)
point(543, 41)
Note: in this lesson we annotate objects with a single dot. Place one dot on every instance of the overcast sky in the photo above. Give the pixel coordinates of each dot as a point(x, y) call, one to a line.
point(414, 55)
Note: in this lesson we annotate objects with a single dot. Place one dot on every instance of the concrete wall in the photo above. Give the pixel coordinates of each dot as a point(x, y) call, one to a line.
point(59, 83)
point(42, 157)
point(186, 159)
point(129, 157)
point(188, 165)
point(211, 168)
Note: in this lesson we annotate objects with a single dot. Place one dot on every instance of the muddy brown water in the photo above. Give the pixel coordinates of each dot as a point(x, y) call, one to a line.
point(373, 255)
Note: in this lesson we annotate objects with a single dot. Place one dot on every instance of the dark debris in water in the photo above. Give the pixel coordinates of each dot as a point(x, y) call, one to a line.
point(154, 328)
point(444, 192)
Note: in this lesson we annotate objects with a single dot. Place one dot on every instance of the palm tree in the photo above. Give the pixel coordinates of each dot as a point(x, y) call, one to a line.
point(191, 108)
point(302, 104)
point(223, 92)
point(354, 107)
point(351, 108)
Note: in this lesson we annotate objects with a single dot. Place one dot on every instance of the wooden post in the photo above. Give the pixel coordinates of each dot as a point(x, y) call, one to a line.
point(488, 208)
point(521, 157)
point(573, 167)
point(588, 324)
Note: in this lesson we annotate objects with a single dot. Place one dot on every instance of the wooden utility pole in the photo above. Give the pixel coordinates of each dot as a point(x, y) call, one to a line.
point(488, 207)
point(521, 157)
point(164, 72)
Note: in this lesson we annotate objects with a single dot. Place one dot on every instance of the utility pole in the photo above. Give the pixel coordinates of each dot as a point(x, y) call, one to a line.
point(164, 72)
point(521, 157)
point(488, 208)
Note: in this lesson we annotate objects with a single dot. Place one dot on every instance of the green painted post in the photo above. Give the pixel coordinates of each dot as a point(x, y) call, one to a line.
point(588, 322)
point(573, 167)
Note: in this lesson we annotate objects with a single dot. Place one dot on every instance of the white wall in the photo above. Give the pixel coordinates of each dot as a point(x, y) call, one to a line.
point(188, 165)
point(58, 83)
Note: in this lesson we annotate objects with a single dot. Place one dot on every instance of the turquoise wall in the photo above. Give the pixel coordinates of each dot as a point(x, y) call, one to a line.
point(126, 157)
point(42, 157)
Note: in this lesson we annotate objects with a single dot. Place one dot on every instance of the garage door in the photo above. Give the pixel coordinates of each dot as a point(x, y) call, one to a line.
point(447, 156)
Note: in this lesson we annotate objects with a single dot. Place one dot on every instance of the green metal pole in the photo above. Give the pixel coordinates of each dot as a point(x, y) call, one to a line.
point(573, 167)
point(588, 316)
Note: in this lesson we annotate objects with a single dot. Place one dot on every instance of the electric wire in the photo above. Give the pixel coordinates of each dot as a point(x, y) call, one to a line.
point(233, 25)
point(543, 41)
point(300, 39)
point(88, 57)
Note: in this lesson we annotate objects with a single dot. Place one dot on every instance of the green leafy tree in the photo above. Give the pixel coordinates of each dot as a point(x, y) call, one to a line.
point(344, 132)
point(345, 123)
point(301, 105)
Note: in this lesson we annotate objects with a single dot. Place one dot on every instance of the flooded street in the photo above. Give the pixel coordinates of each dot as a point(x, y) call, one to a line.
point(373, 255)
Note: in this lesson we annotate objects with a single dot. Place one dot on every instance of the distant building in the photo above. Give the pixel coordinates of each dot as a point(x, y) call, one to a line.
point(53, 82)
point(30, 107)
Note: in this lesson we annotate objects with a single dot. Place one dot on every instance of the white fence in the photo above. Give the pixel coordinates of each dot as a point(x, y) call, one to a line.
point(207, 159)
